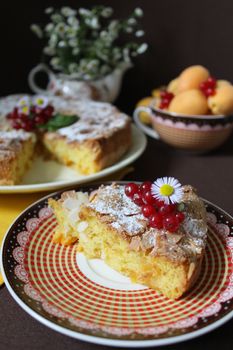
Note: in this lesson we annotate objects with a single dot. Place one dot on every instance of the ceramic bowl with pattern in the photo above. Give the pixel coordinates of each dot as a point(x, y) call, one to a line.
point(200, 133)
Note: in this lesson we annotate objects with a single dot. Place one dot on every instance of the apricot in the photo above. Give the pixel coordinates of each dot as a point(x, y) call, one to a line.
point(191, 78)
point(190, 102)
point(145, 102)
point(173, 86)
point(222, 101)
point(222, 82)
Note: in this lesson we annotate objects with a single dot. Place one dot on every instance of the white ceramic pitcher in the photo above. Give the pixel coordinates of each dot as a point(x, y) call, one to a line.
point(105, 88)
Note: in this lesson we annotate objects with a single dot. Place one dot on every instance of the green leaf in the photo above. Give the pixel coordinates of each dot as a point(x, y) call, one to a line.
point(59, 121)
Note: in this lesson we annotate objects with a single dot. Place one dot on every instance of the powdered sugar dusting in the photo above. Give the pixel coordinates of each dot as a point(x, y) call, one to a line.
point(15, 135)
point(124, 214)
point(97, 119)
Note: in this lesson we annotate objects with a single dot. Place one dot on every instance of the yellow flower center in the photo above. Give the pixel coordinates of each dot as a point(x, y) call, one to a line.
point(166, 190)
point(25, 109)
point(39, 101)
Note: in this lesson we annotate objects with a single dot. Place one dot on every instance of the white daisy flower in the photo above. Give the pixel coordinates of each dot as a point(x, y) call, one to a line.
point(167, 189)
point(23, 101)
point(41, 101)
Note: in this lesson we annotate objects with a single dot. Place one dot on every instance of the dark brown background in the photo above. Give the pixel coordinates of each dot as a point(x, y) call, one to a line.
point(180, 33)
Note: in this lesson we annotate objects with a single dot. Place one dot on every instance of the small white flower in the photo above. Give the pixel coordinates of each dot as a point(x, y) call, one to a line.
point(138, 12)
point(56, 18)
point(129, 29)
point(73, 67)
point(67, 11)
point(53, 40)
point(142, 48)
point(139, 33)
point(103, 34)
point(75, 51)
point(48, 50)
point(167, 189)
point(107, 12)
point(132, 21)
point(92, 22)
point(60, 28)
point(49, 27)
point(73, 42)
point(23, 101)
point(113, 25)
point(55, 62)
point(37, 30)
point(41, 101)
point(73, 21)
point(61, 44)
point(84, 12)
point(49, 10)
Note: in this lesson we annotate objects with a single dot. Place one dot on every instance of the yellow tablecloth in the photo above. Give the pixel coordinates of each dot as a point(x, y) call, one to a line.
point(11, 205)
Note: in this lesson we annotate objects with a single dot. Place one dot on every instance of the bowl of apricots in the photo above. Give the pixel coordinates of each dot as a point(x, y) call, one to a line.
point(193, 112)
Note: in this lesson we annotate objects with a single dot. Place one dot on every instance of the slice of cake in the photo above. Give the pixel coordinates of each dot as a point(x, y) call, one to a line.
point(97, 140)
point(135, 232)
point(16, 153)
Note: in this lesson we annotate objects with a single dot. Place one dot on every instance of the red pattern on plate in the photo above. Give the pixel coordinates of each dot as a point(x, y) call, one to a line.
point(51, 276)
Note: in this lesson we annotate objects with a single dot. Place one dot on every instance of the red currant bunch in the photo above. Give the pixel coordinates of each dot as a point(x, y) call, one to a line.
point(208, 87)
point(159, 214)
point(30, 121)
point(166, 98)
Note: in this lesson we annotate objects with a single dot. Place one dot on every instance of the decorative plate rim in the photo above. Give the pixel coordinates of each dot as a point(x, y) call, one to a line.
point(101, 340)
point(124, 161)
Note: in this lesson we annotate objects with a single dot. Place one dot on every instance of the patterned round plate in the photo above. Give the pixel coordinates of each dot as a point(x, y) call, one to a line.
point(86, 299)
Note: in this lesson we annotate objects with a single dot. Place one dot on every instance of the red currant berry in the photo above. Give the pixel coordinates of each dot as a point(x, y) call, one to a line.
point(167, 209)
point(40, 119)
point(203, 86)
point(163, 105)
point(148, 198)
point(137, 199)
point(210, 92)
point(27, 125)
point(48, 111)
point(131, 189)
point(148, 210)
point(22, 116)
point(164, 94)
point(171, 223)
point(146, 186)
point(211, 82)
point(158, 203)
point(13, 115)
point(15, 124)
point(180, 216)
point(156, 221)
